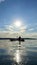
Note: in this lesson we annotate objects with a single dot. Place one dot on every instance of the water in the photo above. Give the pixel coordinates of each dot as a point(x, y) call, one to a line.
point(12, 54)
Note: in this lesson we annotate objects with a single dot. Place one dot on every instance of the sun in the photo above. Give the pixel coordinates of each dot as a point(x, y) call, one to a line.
point(17, 23)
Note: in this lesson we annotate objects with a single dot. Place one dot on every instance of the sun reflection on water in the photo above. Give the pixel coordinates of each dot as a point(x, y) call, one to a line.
point(17, 57)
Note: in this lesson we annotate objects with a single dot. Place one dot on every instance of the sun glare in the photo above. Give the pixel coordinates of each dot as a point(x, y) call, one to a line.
point(18, 23)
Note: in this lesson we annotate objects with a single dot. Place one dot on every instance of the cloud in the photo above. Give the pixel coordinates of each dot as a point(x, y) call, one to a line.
point(14, 29)
point(2, 1)
point(31, 29)
point(9, 28)
point(17, 34)
point(23, 29)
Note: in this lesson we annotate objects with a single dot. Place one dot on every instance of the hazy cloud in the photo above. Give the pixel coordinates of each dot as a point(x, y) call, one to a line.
point(13, 29)
point(31, 29)
point(2, 1)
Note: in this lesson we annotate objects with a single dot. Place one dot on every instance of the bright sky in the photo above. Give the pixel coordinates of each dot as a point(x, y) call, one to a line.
point(18, 16)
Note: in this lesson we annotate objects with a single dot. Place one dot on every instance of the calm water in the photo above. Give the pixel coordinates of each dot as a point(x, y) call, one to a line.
point(12, 54)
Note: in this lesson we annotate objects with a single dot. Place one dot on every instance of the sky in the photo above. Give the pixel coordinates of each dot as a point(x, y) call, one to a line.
point(23, 11)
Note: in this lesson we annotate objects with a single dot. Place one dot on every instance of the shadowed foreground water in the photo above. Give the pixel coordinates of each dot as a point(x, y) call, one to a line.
point(16, 55)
